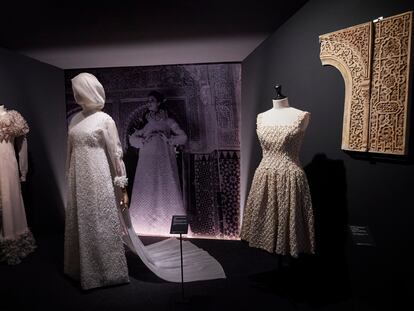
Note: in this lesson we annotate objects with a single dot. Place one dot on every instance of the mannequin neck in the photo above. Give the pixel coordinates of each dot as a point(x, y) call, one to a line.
point(280, 103)
point(88, 107)
point(2, 110)
point(88, 112)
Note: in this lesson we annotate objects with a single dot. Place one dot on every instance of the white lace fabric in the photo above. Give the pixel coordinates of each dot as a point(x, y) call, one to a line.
point(94, 251)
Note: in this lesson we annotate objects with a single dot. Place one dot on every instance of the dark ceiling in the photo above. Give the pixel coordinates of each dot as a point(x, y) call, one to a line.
point(59, 24)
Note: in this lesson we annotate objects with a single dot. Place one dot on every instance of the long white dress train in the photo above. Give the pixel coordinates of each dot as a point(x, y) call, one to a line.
point(163, 258)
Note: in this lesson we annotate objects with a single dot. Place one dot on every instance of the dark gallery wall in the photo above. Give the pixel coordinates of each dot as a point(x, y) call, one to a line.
point(366, 191)
point(36, 90)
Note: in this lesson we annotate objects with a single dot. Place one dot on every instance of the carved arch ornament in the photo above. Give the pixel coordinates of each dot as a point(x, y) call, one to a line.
point(374, 61)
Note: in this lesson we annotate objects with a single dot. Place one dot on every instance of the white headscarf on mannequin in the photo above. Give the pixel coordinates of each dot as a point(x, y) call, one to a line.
point(89, 92)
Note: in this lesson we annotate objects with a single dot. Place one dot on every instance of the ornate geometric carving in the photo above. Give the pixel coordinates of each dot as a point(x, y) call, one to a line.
point(389, 94)
point(376, 84)
point(204, 100)
point(349, 50)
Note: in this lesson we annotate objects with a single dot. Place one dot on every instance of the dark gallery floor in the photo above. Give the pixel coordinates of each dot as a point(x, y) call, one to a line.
point(255, 280)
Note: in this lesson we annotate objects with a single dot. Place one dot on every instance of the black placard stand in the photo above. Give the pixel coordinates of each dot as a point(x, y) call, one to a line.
point(179, 225)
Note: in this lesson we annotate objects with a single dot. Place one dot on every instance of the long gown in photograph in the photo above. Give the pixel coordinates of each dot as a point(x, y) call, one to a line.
point(16, 239)
point(156, 193)
point(278, 216)
point(156, 197)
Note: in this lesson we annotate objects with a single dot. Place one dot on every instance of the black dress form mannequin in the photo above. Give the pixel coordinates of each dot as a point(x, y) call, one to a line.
point(279, 94)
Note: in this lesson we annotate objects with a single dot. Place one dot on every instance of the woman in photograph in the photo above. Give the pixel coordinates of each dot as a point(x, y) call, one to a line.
point(156, 194)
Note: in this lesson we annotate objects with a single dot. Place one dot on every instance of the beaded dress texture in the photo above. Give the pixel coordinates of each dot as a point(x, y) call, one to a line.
point(278, 214)
point(94, 250)
point(16, 239)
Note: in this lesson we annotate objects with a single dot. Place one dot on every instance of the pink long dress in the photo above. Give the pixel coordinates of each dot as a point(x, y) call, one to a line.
point(16, 239)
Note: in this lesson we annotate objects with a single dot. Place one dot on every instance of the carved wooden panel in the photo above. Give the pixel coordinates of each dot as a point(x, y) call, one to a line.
point(349, 50)
point(374, 62)
point(389, 94)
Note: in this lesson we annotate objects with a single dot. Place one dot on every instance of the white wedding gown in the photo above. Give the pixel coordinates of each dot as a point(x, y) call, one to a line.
point(95, 225)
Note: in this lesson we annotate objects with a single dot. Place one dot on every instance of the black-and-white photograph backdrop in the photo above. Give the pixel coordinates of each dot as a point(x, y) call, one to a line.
point(179, 129)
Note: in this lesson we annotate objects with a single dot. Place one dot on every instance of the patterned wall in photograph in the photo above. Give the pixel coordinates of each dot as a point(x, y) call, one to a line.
point(204, 99)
